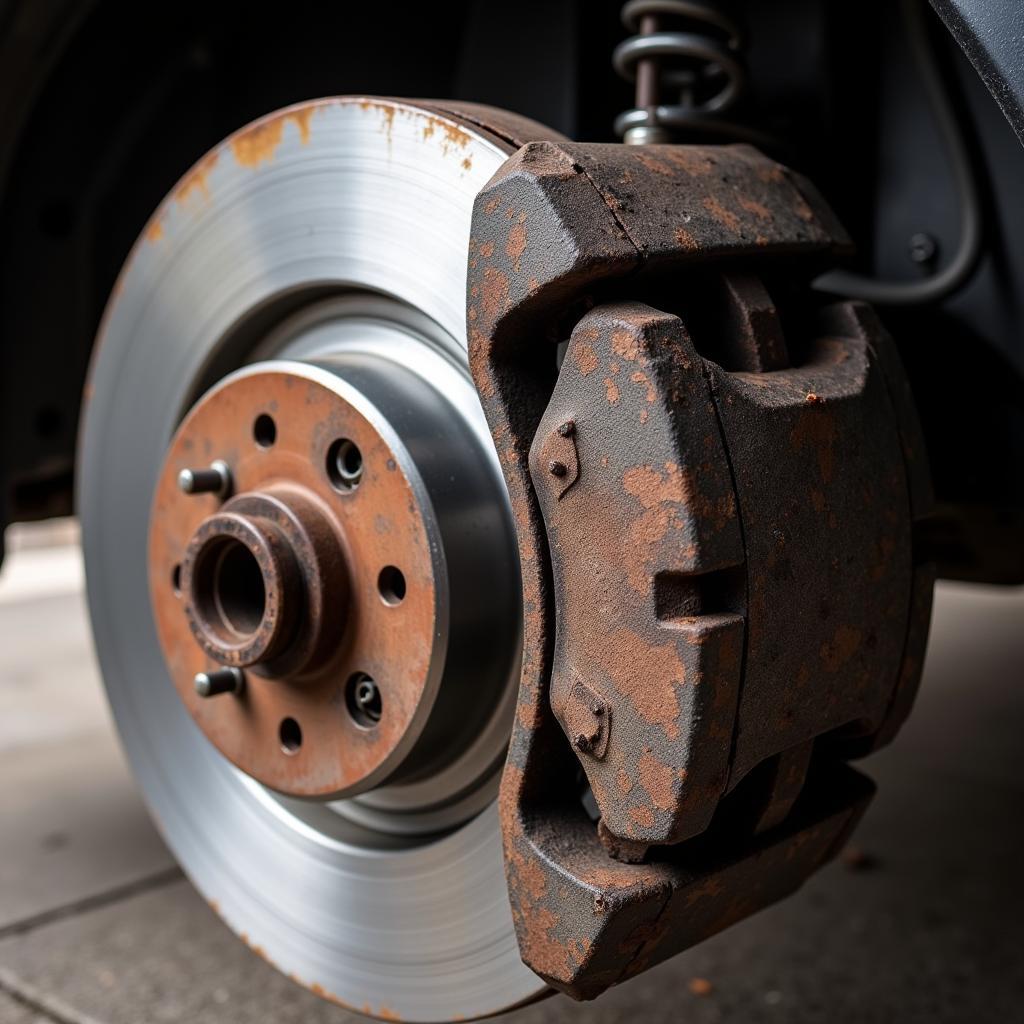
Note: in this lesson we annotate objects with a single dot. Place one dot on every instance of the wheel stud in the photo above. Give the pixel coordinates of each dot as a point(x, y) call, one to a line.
point(223, 680)
point(215, 480)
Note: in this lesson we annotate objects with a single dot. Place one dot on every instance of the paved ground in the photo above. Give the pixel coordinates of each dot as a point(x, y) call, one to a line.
point(922, 923)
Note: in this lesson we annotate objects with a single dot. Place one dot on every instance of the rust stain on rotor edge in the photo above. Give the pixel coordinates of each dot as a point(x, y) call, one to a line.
point(197, 180)
point(452, 136)
point(259, 143)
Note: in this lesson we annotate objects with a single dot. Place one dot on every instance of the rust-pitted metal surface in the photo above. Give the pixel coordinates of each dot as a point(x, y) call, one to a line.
point(586, 921)
point(315, 548)
point(715, 510)
point(822, 488)
point(638, 547)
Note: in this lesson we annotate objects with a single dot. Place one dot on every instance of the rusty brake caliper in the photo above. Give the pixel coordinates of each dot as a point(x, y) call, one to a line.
point(716, 510)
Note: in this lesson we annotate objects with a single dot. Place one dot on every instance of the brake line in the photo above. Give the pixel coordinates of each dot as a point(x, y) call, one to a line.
point(959, 269)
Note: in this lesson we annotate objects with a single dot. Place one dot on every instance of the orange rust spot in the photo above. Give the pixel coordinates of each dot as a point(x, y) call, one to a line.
point(259, 143)
point(652, 163)
point(652, 487)
point(487, 250)
point(637, 377)
point(625, 345)
point(759, 210)
point(388, 112)
point(586, 358)
point(686, 240)
point(612, 391)
point(694, 160)
point(700, 987)
point(155, 231)
point(492, 204)
point(516, 244)
point(455, 135)
point(663, 672)
point(428, 129)
point(386, 1013)
point(302, 117)
point(658, 779)
point(721, 214)
point(197, 179)
point(542, 949)
point(642, 816)
point(495, 294)
point(467, 164)
point(531, 875)
point(771, 173)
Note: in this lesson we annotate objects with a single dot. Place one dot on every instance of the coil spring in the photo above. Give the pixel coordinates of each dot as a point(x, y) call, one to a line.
point(699, 58)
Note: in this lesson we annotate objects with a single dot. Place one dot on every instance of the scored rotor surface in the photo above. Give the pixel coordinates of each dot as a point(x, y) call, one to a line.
point(336, 198)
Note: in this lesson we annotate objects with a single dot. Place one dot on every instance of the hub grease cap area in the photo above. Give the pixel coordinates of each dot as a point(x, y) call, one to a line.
point(317, 576)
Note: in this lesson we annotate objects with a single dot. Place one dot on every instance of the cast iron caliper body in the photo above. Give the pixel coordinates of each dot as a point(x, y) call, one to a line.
point(716, 482)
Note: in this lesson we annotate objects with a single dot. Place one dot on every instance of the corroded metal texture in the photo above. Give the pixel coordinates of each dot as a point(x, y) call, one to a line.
point(639, 547)
point(282, 579)
point(715, 508)
point(587, 922)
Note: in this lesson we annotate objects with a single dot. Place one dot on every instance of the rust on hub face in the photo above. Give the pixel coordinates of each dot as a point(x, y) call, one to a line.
point(318, 578)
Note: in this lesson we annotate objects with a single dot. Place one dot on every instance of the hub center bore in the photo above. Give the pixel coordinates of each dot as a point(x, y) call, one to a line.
point(302, 572)
point(262, 579)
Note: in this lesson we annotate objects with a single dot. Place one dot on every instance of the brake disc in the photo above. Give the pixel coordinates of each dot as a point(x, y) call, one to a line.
point(302, 567)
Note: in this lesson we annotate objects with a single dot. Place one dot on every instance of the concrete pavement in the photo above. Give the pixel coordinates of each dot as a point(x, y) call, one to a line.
point(921, 922)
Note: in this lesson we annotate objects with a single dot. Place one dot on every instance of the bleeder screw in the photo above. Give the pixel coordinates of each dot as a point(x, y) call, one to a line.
point(557, 468)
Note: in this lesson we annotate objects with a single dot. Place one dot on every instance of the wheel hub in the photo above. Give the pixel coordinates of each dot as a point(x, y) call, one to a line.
point(318, 577)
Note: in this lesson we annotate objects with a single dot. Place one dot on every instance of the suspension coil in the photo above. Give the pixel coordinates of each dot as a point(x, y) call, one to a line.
point(698, 59)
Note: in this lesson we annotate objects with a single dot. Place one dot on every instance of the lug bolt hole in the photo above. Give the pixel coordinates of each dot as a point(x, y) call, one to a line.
point(264, 430)
point(391, 585)
point(344, 465)
point(362, 697)
point(290, 734)
point(176, 579)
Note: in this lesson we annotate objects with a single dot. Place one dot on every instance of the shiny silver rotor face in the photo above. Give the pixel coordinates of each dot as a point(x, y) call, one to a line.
point(328, 241)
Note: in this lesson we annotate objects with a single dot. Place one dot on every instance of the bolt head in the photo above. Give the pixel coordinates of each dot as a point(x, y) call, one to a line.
point(922, 247)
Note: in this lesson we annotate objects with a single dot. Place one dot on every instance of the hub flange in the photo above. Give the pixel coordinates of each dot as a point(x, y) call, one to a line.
point(321, 576)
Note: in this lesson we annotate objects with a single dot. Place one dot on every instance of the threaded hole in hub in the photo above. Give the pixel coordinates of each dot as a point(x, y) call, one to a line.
point(344, 465)
point(228, 589)
point(391, 585)
point(290, 735)
point(264, 430)
point(363, 699)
